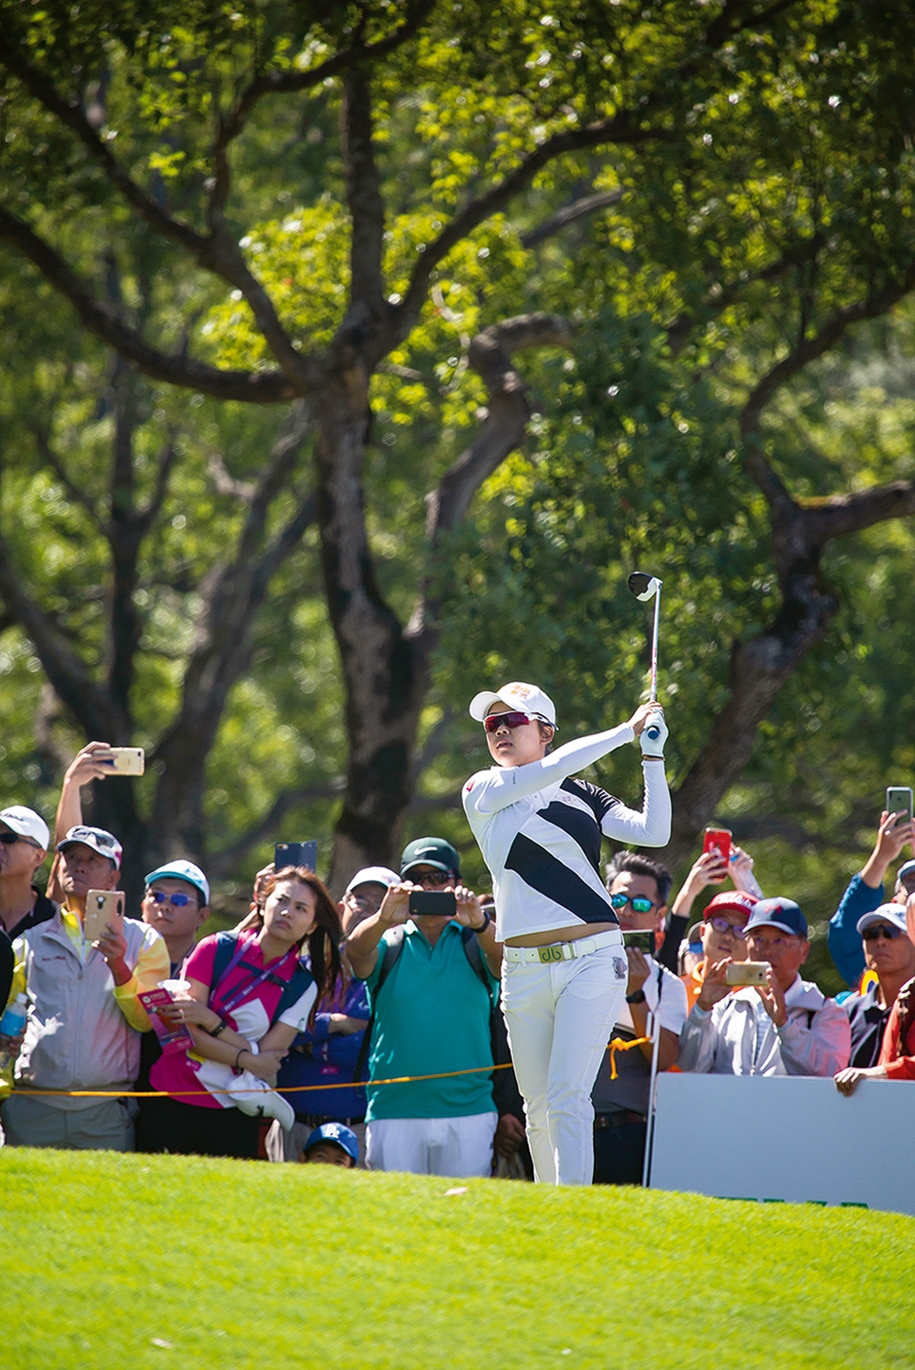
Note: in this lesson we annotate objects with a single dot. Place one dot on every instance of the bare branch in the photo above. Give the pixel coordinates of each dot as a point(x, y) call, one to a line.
point(363, 193)
point(809, 349)
point(76, 492)
point(149, 512)
point(503, 429)
point(101, 319)
point(621, 129)
point(570, 214)
point(68, 675)
point(290, 82)
point(222, 863)
point(225, 482)
point(839, 515)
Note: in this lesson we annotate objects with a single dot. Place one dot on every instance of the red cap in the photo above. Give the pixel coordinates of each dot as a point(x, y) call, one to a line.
point(735, 900)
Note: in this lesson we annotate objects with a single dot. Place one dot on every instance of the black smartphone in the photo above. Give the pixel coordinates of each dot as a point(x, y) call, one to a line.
point(640, 938)
point(434, 903)
point(295, 854)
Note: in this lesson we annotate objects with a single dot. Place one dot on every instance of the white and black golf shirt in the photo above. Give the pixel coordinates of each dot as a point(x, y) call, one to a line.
point(540, 830)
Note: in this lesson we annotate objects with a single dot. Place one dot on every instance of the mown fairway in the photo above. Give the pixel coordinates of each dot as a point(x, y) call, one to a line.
point(139, 1262)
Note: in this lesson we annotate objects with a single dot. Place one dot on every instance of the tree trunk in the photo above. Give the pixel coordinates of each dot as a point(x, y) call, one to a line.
point(385, 670)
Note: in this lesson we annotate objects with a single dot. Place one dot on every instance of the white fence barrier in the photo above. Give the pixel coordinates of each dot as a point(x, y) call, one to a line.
point(796, 1139)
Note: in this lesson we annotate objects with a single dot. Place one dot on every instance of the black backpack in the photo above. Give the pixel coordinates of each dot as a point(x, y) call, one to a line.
point(392, 950)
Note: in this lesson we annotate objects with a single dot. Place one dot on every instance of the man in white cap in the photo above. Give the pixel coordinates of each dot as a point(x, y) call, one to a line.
point(24, 840)
point(85, 1019)
point(364, 895)
point(564, 973)
point(890, 955)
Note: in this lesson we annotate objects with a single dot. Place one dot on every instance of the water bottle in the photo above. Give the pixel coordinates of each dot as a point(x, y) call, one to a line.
point(11, 1025)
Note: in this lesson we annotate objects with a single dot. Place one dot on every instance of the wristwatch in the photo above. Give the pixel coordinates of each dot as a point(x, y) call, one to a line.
point(484, 925)
point(637, 998)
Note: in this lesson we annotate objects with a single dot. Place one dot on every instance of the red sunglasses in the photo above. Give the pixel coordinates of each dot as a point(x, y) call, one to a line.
point(511, 720)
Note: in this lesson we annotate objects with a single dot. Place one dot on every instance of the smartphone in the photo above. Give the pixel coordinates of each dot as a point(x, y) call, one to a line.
point(128, 760)
point(747, 973)
point(718, 839)
point(295, 854)
point(433, 903)
point(640, 938)
point(899, 800)
point(102, 907)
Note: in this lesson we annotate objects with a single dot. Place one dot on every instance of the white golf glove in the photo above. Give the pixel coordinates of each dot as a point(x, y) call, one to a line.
point(653, 746)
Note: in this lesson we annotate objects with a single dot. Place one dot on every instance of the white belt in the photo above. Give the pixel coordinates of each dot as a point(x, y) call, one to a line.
point(565, 951)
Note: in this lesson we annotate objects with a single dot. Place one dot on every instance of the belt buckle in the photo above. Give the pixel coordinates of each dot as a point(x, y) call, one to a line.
point(548, 954)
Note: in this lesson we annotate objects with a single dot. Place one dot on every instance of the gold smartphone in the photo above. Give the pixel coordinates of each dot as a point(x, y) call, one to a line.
point(747, 973)
point(102, 907)
point(128, 760)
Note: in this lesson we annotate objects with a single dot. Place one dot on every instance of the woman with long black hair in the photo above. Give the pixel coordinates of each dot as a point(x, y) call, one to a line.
point(250, 992)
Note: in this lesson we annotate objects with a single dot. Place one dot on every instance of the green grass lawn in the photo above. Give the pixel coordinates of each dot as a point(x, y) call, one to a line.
point(149, 1261)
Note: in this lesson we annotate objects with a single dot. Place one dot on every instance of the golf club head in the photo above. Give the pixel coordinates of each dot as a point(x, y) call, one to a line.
point(643, 586)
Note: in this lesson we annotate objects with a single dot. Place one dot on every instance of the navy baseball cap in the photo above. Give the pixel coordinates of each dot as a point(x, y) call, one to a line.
point(778, 913)
point(339, 1134)
point(430, 851)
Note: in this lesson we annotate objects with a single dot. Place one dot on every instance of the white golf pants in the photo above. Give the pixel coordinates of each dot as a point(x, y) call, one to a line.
point(458, 1147)
point(560, 1016)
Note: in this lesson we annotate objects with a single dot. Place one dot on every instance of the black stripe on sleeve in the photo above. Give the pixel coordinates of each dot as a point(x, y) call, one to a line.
point(551, 878)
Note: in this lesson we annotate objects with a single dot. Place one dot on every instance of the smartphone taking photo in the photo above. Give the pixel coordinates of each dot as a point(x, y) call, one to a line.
point(295, 854)
point(718, 840)
point(102, 907)
point(433, 904)
point(642, 939)
point(899, 800)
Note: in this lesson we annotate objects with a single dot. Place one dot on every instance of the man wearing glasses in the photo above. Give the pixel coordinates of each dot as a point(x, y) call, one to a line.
point(785, 1027)
point(865, 893)
point(639, 889)
point(432, 994)
point(85, 1019)
point(890, 955)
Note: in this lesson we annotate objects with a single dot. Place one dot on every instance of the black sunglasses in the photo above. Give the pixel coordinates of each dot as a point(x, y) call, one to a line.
point(10, 837)
point(882, 930)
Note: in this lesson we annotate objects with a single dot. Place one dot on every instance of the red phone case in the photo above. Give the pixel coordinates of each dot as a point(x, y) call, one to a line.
point(718, 839)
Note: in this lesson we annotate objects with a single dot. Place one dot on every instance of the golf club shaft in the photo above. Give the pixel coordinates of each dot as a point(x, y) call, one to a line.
point(653, 685)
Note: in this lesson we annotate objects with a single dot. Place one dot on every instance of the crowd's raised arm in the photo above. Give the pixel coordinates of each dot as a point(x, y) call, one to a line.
point(421, 1025)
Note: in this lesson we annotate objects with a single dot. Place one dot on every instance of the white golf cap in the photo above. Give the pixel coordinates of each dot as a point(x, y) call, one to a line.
point(27, 823)
point(182, 870)
point(527, 699)
point(894, 914)
point(373, 875)
point(99, 839)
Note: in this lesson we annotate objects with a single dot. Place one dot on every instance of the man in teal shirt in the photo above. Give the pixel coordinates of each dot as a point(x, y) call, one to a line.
point(431, 1006)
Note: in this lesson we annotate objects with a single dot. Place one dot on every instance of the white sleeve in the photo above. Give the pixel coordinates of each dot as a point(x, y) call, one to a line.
point(490, 791)
point(651, 827)
point(297, 1014)
point(674, 1001)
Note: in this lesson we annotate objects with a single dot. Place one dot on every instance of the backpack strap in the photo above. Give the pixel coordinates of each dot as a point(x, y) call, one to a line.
point(392, 950)
point(475, 957)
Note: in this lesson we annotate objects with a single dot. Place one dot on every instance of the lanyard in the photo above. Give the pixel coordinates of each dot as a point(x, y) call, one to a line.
point(246, 989)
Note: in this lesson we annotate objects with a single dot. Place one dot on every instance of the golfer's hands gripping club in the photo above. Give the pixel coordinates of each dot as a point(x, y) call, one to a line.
point(650, 728)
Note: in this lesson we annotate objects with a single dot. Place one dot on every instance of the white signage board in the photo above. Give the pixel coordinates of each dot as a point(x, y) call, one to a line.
point(786, 1137)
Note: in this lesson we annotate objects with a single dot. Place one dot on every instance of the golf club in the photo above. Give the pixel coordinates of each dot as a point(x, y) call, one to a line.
point(646, 587)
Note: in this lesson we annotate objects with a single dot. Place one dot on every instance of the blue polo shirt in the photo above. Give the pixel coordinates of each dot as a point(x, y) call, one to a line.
point(431, 1015)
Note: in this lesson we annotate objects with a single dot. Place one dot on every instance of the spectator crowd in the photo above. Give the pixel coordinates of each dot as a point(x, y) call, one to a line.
point(278, 1039)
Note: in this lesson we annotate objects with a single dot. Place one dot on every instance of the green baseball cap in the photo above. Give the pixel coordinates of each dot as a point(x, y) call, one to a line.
point(430, 851)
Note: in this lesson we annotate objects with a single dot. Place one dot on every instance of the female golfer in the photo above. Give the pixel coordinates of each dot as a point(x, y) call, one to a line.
point(564, 971)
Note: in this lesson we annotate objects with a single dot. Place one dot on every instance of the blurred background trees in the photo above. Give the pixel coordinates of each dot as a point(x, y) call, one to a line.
point(353, 356)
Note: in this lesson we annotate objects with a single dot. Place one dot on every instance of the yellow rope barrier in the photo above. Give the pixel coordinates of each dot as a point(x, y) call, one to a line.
point(617, 1044)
